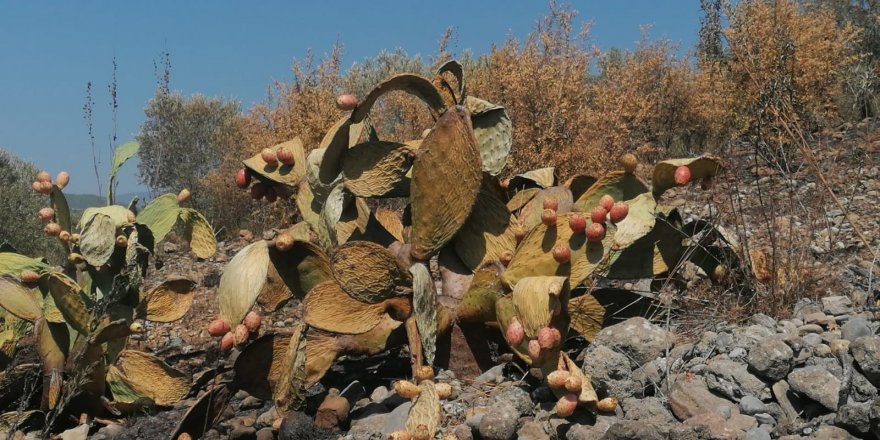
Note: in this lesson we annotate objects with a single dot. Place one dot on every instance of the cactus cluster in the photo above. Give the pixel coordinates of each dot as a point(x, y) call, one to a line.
point(80, 315)
point(519, 254)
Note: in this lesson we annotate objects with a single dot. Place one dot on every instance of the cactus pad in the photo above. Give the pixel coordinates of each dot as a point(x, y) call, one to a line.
point(531, 212)
point(290, 391)
point(150, 376)
point(98, 239)
point(478, 304)
point(446, 179)
point(12, 264)
point(425, 413)
point(197, 231)
point(617, 184)
point(702, 167)
point(69, 299)
point(280, 173)
point(493, 131)
point(377, 169)
point(19, 301)
point(170, 300)
point(540, 178)
point(587, 315)
point(260, 364)
point(369, 273)
point(536, 298)
point(487, 233)
point(329, 308)
point(302, 267)
point(425, 308)
point(160, 215)
point(415, 85)
point(390, 220)
point(521, 198)
point(242, 281)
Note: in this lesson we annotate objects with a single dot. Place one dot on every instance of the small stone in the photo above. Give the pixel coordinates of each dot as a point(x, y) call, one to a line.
point(265, 434)
point(266, 418)
point(854, 417)
point(738, 354)
point(809, 328)
point(379, 394)
point(831, 433)
point(112, 431)
point(732, 380)
point(765, 419)
point(492, 375)
point(715, 424)
point(516, 397)
point(531, 430)
point(866, 352)
point(297, 426)
point(689, 397)
point(818, 318)
point(610, 371)
point(646, 410)
point(250, 402)
point(763, 320)
point(751, 405)
point(632, 430)
point(756, 434)
point(836, 305)
point(855, 328)
point(637, 338)
point(771, 358)
point(243, 433)
point(396, 419)
point(816, 383)
point(812, 339)
point(500, 423)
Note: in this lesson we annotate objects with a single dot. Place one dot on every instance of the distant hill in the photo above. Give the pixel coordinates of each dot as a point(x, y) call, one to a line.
point(79, 202)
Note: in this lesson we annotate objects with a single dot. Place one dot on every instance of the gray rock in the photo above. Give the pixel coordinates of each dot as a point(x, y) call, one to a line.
point(854, 417)
point(636, 337)
point(732, 380)
point(516, 397)
point(267, 418)
point(611, 372)
point(648, 378)
point(763, 320)
point(500, 423)
point(647, 410)
point(250, 402)
point(111, 431)
point(855, 328)
point(861, 390)
point(805, 306)
point(866, 352)
point(243, 433)
point(809, 328)
point(836, 305)
point(771, 358)
point(379, 394)
point(492, 375)
point(831, 433)
point(812, 339)
point(689, 397)
point(632, 430)
point(715, 425)
point(816, 383)
point(463, 432)
point(751, 405)
point(738, 354)
point(265, 434)
point(765, 419)
point(531, 430)
point(756, 434)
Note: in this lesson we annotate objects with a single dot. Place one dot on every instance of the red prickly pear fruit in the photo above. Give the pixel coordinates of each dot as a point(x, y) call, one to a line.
point(505, 258)
point(606, 202)
point(36, 186)
point(629, 163)
point(285, 156)
point(573, 384)
point(64, 236)
point(519, 231)
point(46, 214)
point(271, 194)
point(534, 350)
point(258, 191)
point(595, 232)
point(618, 212)
point(52, 229)
point(284, 242)
point(29, 277)
point(607, 404)
point(514, 333)
point(45, 188)
point(346, 102)
point(505, 184)
point(62, 179)
point(268, 155)
point(241, 334)
point(551, 203)
point(682, 175)
point(561, 253)
point(557, 378)
point(548, 217)
point(184, 436)
point(218, 327)
point(706, 183)
point(227, 342)
point(43, 176)
point(577, 223)
point(549, 337)
point(566, 405)
point(242, 179)
point(183, 196)
point(121, 241)
point(598, 215)
point(252, 321)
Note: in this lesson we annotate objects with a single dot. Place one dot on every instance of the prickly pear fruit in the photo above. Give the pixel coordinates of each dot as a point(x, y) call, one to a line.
point(121, 241)
point(46, 214)
point(534, 350)
point(598, 215)
point(444, 390)
point(719, 273)
point(269, 156)
point(561, 253)
point(285, 156)
point(548, 217)
point(44, 176)
point(258, 191)
point(618, 212)
point(551, 203)
point(52, 229)
point(252, 321)
point(565, 405)
point(36, 186)
point(184, 436)
point(136, 327)
point(218, 327)
point(595, 232)
point(62, 179)
point(557, 378)
point(75, 258)
point(346, 102)
point(682, 175)
point(505, 184)
point(29, 277)
point(406, 389)
point(514, 333)
point(549, 337)
point(241, 334)
point(64, 236)
point(183, 196)
point(577, 223)
point(606, 202)
point(242, 179)
point(629, 163)
point(607, 404)
point(74, 238)
point(227, 341)
point(271, 194)
point(505, 258)
point(45, 188)
point(284, 242)
point(573, 384)
point(425, 372)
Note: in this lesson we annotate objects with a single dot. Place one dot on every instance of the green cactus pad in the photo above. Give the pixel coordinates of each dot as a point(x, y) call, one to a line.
point(149, 376)
point(242, 281)
point(283, 174)
point(377, 169)
point(530, 216)
point(587, 315)
point(425, 308)
point(19, 301)
point(118, 213)
point(69, 299)
point(198, 232)
point(301, 268)
point(540, 178)
point(534, 255)
point(12, 264)
point(505, 312)
point(536, 299)
point(425, 414)
point(493, 131)
point(121, 155)
point(617, 184)
point(702, 167)
point(98, 240)
point(310, 210)
point(170, 300)
point(638, 222)
point(314, 162)
point(653, 254)
point(121, 389)
point(160, 215)
point(487, 233)
point(369, 273)
point(415, 85)
point(329, 308)
point(52, 345)
point(446, 179)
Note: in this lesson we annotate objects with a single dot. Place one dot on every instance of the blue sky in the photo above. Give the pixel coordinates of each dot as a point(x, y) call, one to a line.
point(50, 50)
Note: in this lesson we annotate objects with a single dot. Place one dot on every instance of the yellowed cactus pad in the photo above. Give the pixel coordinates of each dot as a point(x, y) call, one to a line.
point(425, 413)
point(150, 376)
point(170, 300)
point(391, 221)
point(280, 173)
point(377, 169)
point(242, 281)
point(369, 273)
point(535, 298)
point(487, 233)
point(587, 315)
point(329, 308)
